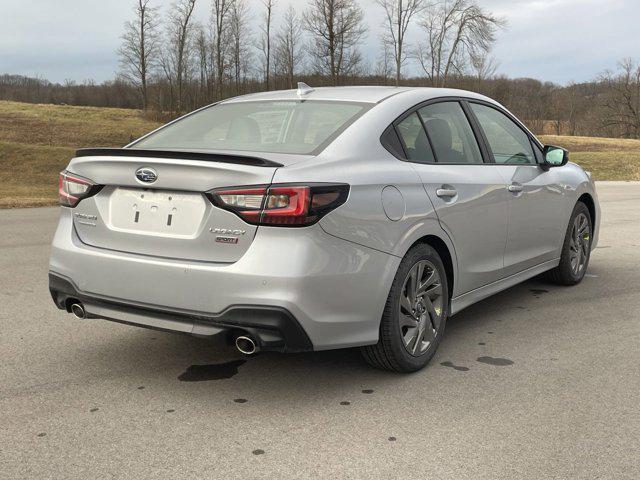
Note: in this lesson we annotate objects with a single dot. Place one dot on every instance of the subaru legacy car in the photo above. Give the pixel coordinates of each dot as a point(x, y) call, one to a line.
point(316, 219)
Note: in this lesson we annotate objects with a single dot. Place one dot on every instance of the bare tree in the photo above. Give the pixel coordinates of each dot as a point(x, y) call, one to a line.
point(456, 31)
point(287, 46)
point(176, 61)
point(265, 39)
point(240, 36)
point(220, 12)
point(384, 67)
point(622, 103)
point(337, 27)
point(140, 48)
point(572, 107)
point(398, 15)
point(202, 49)
point(484, 67)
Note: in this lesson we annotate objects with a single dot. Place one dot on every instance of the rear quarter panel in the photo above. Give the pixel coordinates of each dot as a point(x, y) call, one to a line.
point(358, 158)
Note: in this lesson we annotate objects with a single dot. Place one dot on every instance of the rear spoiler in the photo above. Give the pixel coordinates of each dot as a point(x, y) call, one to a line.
point(177, 154)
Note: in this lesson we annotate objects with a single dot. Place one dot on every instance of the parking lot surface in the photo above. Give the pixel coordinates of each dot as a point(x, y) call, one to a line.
point(539, 381)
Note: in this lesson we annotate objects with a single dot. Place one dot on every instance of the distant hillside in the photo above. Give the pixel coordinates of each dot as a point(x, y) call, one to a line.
point(37, 141)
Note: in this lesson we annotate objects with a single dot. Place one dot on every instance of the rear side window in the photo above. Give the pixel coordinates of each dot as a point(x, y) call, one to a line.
point(509, 143)
point(299, 127)
point(450, 133)
point(415, 139)
point(391, 142)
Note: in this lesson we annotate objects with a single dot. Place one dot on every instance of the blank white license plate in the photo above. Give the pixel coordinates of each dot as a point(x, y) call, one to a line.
point(156, 212)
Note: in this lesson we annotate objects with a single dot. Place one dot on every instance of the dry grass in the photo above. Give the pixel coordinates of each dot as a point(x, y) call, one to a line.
point(37, 141)
point(592, 144)
point(29, 174)
point(621, 166)
point(69, 126)
point(606, 158)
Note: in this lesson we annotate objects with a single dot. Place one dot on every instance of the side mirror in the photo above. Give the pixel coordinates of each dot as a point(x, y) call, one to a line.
point(555, 156)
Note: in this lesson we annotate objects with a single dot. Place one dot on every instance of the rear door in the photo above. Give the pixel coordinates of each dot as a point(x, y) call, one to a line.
point(469, 196)
point(537, 200)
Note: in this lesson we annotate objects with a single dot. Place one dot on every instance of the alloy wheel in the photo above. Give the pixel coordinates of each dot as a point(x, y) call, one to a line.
point(421, 307)
point(579, 244)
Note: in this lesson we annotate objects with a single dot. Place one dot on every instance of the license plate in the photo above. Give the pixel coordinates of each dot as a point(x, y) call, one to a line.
point(156, 212)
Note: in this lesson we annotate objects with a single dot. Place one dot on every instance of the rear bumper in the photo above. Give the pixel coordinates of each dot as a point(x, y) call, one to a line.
point(333, 289)
point(275, 329)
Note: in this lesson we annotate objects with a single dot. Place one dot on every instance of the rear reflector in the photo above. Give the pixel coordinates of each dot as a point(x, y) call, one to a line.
point(281, 205)
point(72, 189)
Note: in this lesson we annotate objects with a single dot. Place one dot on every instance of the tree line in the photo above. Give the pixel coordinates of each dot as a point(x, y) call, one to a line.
point(178, 63)
point(171, 63)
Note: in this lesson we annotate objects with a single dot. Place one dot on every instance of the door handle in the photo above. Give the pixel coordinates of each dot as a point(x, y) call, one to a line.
point(446, 192)
point(515, 188)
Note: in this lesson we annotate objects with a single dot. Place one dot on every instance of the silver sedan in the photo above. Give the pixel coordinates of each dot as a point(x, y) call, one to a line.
point(324, 218)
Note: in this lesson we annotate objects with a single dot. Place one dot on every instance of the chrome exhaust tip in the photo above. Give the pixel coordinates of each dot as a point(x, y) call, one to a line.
point(78, 310)
point(246, 345)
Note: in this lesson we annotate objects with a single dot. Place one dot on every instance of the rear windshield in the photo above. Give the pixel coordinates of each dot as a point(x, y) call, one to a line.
point(299, 127)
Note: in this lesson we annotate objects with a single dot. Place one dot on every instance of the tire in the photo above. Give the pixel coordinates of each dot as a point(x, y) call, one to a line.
point(400, 348)
point(566, 272)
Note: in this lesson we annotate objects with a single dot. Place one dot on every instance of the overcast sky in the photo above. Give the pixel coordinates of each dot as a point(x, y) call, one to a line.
point(556, 40)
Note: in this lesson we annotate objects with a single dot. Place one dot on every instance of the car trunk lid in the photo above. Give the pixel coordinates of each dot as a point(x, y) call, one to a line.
point(169, 217)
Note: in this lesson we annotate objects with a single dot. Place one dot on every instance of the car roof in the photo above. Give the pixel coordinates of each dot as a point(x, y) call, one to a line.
point(347, 94)
point(364, 94)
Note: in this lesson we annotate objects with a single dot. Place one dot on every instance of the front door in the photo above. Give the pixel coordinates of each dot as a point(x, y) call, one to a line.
point(537, 200)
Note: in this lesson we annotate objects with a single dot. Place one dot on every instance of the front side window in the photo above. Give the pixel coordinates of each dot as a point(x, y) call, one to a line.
point(509, 143)
point(416, 143)
point(298, 126)
point(450, 133)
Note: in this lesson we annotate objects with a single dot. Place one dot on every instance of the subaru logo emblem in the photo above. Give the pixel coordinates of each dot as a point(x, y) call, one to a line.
point(146, 174)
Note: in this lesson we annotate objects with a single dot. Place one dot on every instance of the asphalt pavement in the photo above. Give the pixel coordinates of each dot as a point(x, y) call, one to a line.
point(539, 381)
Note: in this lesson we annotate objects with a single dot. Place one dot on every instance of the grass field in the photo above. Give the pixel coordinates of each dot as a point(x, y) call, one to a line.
point(37, 141)
point(606, 158)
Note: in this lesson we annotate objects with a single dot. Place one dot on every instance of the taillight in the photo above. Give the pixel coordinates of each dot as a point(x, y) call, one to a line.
point(281, 205)
point(72, 189)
